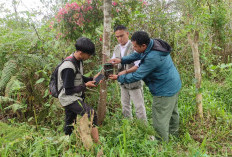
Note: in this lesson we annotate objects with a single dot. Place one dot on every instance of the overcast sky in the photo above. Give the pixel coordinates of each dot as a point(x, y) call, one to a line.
point(25, 5)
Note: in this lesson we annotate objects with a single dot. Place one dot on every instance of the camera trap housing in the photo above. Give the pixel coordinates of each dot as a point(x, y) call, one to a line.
point(108, 69)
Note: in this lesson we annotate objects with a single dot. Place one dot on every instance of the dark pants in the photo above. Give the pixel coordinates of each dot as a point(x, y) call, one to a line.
point(74, 109)
point(165, 116)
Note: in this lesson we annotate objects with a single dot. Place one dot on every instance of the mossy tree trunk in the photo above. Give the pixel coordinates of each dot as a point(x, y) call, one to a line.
point(105, 57)
point(193, 41)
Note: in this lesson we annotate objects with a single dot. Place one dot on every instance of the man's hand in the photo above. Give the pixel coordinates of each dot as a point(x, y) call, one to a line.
point(122, 72)
point(113, 77)
point(94, 78)
point(96, 75)
point(115, 61)
point(90, 84)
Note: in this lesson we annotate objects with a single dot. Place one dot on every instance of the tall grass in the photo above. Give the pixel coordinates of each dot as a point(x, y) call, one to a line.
point(211, 136)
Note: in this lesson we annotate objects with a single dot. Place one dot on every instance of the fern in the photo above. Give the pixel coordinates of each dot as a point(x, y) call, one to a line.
point(4, 100)
point(40, 88)
point(27, 66)
point(14, 85)
point(8, 71)
point(22, 88)
point(12, 104)
point(30, 70)
point(32, 61)
point(15, 107)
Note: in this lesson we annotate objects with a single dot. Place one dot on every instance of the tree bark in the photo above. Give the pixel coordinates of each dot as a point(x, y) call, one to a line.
point(105, 56)
point(197, 69)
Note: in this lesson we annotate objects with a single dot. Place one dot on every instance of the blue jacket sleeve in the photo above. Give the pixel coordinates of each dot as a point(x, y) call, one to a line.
point(145, 68)
point(130, 58)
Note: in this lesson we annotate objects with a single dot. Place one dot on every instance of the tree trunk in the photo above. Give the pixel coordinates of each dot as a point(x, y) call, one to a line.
point(194, 45)
point(15, 4)
point(105, 56)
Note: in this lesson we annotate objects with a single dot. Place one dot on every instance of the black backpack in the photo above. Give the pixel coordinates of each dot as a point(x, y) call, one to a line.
point(53, 84)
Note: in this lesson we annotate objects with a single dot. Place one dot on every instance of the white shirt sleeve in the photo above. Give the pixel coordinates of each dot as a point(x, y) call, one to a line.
point(113, 56)
point(137, 63)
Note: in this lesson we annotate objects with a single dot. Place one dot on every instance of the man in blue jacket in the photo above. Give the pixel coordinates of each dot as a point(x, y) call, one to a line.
point(159, 73)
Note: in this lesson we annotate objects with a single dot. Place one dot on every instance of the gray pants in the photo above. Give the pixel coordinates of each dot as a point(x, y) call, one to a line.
point(136, 96)
point(165, 115)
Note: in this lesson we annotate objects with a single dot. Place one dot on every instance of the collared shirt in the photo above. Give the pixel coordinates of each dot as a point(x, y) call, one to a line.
point(123, 49)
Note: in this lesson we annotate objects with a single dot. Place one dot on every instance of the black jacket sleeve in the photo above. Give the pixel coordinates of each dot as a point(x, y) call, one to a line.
point(68, 77)
point(87, 79)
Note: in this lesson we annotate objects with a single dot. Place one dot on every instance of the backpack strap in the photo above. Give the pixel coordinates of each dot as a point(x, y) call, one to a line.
point(73, 60)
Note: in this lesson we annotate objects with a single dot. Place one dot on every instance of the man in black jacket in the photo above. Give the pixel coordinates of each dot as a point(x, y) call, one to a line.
point(73, 85)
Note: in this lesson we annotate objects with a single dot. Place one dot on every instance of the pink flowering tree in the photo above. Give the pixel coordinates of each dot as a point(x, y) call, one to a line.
point(76, 19)
point(86, 19)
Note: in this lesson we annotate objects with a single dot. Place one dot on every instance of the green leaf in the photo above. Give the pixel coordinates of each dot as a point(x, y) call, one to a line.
point(222, 66)
point(213, 67)
point(40, 80)
point(46, 93)
point(47, 105)
point(88, 74)
point(30, 119)
point(14, 107)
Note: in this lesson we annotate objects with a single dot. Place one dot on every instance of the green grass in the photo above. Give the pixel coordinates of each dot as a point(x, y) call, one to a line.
point(211, 136)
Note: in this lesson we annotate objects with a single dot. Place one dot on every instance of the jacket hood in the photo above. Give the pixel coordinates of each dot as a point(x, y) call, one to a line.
point(160, 45)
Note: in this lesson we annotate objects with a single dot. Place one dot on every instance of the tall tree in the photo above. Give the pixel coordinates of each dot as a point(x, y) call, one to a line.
point(194, 20)
point(193, 41)
point(193, 15)
point(105, 56)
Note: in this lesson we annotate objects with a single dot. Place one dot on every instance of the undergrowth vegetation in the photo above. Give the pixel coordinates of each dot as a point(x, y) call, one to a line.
point(31, 120)
point(123, 137)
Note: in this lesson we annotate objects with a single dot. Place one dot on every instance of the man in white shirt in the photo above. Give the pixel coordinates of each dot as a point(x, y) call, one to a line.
point(133, 91)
